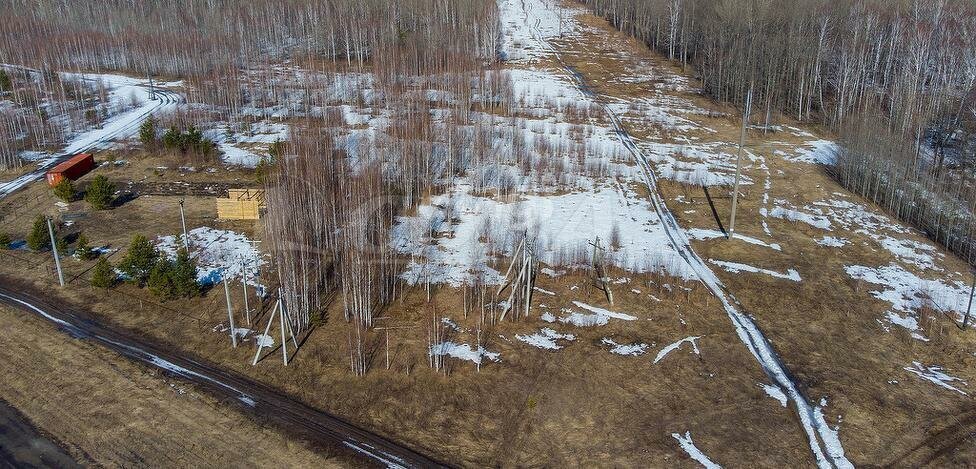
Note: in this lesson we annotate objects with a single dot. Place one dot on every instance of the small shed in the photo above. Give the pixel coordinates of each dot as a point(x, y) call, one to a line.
point(74, 168)
point(241, 204)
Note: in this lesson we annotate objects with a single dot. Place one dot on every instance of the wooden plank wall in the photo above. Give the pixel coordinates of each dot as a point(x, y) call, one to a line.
point(232, 209)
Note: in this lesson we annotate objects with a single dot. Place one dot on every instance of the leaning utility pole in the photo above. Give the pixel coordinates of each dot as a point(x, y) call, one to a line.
point(263, 337)
point(54, 250)
point(186, 238)
point(230, 313)
point(738, 161)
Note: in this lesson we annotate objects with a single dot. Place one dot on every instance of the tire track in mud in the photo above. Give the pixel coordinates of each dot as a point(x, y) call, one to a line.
point(824, 443)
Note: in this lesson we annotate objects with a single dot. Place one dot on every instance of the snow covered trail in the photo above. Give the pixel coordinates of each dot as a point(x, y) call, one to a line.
point(823, 440)
point(122, 125)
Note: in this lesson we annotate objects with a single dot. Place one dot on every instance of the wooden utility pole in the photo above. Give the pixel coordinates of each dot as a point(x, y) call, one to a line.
point(738, 161)
point(230, 313)
point(54, 250)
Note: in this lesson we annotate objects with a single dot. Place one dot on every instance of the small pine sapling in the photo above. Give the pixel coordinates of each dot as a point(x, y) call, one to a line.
point(103, 275)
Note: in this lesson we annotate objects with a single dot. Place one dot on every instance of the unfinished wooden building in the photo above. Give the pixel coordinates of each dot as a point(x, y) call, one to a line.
point(241, 204)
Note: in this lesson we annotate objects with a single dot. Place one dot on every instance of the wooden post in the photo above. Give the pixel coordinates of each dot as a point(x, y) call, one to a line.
point(230, 314)
point(54, 250)
point(965, 321)
point(738, 161)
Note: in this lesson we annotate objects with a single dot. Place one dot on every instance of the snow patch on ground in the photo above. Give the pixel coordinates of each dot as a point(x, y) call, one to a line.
point(584, 320)
point(693, 451)
point(934, 374)
point(605, 312)
point(670, 348)
point(545, 339)
point(624, 349)
point(830, 438)
point(704, 234)
point(735, 267)
point(908, 293)
point(775, 392)
point(264, 340)
point(219, 254)
point(816, 221)
point(911, 252)
point(818, 151)
point(832, 242)
point(463, 352)
point(121, 126)
point(454, 248)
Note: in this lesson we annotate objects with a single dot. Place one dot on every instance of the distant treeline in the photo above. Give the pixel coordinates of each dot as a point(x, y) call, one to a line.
point(893, 78)
point(194, 37)
point(230, 52)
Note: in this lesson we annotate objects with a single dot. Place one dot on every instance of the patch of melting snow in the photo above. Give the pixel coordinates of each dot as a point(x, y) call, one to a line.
point(247, 400)
point(452, 248)
point(451, 324)
point(934, 374)
point(693, 451)
point(463, 352)
point(735, 267)
point(775, 392)
point(552, 273)
point(389, 460)
point(545, 339)
point(832, 242)
point(829, 436)
point(816, 221)
point(704, 234)
point(584, 320)
point(217, 252)
point(635, 349)
point(240, 332)
point(910, 251)
point(264, 340)
point(670, 348)
point(547, 317)
point(541, 290)
point(817, 151)
point(908, 293)
point(605, 312)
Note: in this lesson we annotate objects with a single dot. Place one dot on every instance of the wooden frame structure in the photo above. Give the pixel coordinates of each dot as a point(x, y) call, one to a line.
point(241, 204)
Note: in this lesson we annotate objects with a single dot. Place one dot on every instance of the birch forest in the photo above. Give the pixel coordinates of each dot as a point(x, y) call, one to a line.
point(895, 80)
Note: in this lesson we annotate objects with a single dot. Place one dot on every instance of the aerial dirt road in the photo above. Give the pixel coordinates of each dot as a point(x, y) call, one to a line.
point(22, 445)
point(268, 405)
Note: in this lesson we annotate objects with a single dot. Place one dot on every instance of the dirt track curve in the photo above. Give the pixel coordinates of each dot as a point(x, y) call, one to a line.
point(323, 430)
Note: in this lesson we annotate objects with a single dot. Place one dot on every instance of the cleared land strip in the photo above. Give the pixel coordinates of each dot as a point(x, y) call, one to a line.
point(824, 444)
